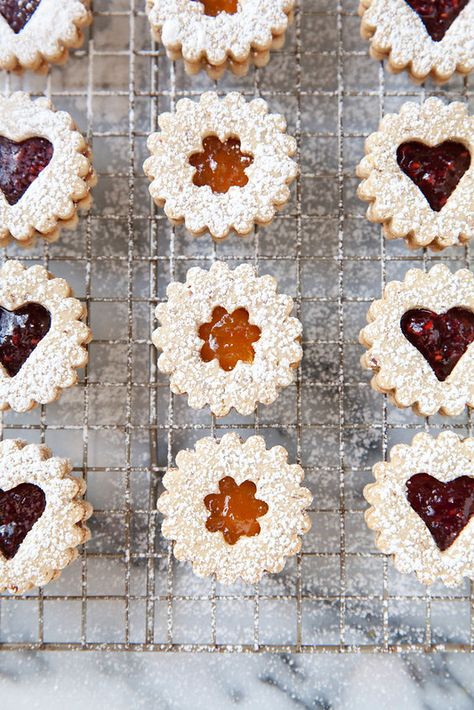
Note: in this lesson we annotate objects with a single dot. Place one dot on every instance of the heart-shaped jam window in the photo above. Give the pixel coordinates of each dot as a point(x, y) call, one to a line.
point(20, 508)
point(20, 332)
point(442, 338)
point(445, 508)
point(18, 12)
point(437, 170)
point(437, 15)
point(20, 165)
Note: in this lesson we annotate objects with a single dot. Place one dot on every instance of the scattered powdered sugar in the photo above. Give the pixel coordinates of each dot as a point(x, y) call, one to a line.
point(398, 33)
point(189, 305)
point(52, 364)
point(53, 197)
point(198, 473)
point(261, 134)
point(51, 543)
point(184, 26)
point(401, 370)
point(54, 27)
point(400, 530)
point(394, 198)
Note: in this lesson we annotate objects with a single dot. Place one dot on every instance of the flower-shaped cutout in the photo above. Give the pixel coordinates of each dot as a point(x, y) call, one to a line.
point(418, 174)
point(422, 507)
point(232, 127)
point(249, 471)
point(235, 510)
point(217, 35)
point(42, 515)
point(229, 338)
point(233, 368)
point(36, 33)
point(41, 336)
point(429, 39)
point(220, 165)
point(45, 170)
point(419, 341)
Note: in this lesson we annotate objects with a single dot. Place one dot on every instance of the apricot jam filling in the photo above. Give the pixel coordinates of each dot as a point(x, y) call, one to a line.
point(229, 337)
point(234, 510)
point(220, 165)
point(215, 7)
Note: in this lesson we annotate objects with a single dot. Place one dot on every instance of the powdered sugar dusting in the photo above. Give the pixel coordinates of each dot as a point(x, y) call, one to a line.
point(394, 199)
point(400, 531)
point(184, 27)
point(189, 305)
point(278, 484)
point(53, 198)
point(401, 370)
point(51, 543)
point(261, 134)
point(397, 33)
point(52, 364)
point(53, 28)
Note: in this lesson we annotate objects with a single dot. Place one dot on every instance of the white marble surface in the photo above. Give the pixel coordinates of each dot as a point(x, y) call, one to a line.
point(132, 681)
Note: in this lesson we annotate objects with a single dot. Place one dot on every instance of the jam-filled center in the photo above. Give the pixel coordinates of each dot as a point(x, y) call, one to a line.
point(437, 170)
point(20, 165)
point(20, 332)
point(215, 7)
point(18, 12)
point(442, 339)
point(437, 15)
point(229, 337)
point(20, 508)
point(445, 508)
point(234, 510)
point(220, 165)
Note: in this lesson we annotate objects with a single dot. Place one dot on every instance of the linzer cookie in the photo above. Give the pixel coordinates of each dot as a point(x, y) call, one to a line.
point(419, 341)
point(42, 515)
point(35, 33)
point(221, 165)
point(428, 38)
point(228, 338)
point(422, 506)
point(45, 170)
point(216, 35)
point(42, 337)
point(234, 509)
point(418, 174)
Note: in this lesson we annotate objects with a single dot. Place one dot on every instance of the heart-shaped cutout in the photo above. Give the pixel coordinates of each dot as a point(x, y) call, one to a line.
point(437, 170)
point(445, 508)
point(442, 339)
point(20, 508)
point(20, 332)
point(20, 165)
point(18, 12)
point(437, 15)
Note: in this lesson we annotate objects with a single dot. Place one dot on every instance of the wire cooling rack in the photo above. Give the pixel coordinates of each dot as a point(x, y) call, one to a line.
point(122, 428)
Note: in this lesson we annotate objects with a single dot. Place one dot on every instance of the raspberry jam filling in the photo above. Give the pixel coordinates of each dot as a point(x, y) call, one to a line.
point(234, 510)
point(437, 15)
point(442, 339)
point(435, 171)
point(445, 508)
point(228, 337)
point(220, 165)
point(20, 332)
point(18, 12)
point(20, 508)
point(215, 7)
point(20, 165)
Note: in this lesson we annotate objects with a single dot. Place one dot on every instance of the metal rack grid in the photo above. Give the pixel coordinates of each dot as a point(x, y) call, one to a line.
point(121, 426)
